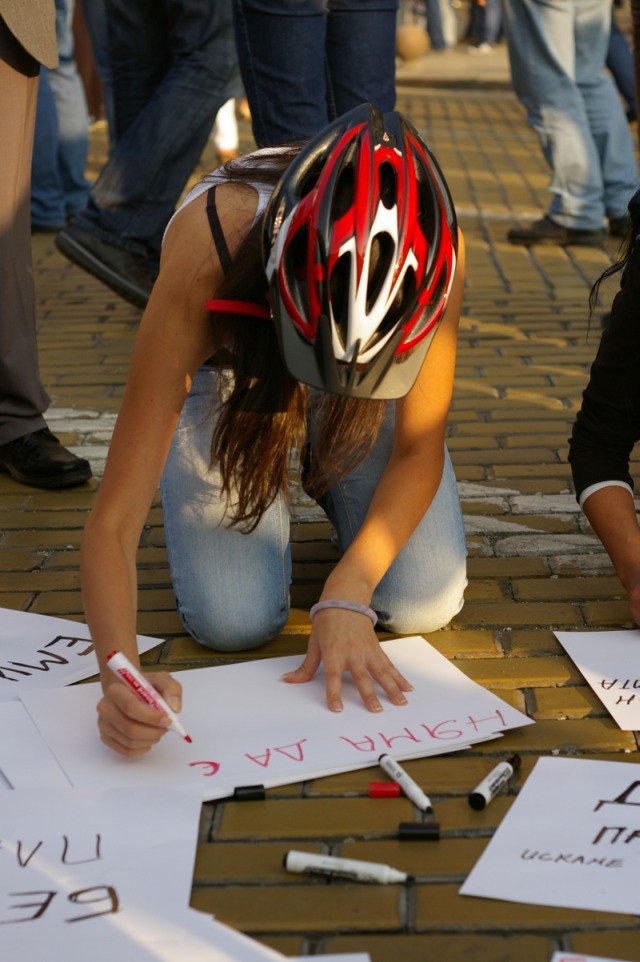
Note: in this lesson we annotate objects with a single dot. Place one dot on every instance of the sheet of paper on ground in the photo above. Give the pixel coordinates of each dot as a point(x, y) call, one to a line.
point(162, 933)
point(577, 957)
point(248, 726)
point(571, 838)
point(610, 663)
point(80, 856)
point(38, 651)
point(24, 752)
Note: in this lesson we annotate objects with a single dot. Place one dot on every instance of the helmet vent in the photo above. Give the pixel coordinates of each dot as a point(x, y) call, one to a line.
point(381, 258)
point(344, 193)
point(340, 281)
point(295, 266)
point(388, 185)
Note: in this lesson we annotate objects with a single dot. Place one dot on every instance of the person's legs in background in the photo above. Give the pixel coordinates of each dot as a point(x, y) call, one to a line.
point(304, 62)
point(59, 188)
point(435, 27)
point(620, 64)
point(174, 64)
point(281, 50)
point(28, 450)
point(353, 26)
point(555, 66)
point(606, 117)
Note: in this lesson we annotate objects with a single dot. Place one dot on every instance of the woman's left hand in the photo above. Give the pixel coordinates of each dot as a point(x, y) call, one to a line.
point(345, 641)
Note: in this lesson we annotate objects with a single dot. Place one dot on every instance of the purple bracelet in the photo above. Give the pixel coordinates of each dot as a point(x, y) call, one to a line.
point(349, 605)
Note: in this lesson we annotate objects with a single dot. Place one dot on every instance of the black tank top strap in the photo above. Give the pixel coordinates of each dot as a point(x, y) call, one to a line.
point(216, 230)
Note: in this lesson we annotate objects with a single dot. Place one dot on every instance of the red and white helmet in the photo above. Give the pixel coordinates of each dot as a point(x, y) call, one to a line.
point(360, 242)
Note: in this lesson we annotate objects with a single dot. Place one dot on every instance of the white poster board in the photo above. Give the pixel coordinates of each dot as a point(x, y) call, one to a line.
point(578, 957)
point(571, 838)
point(78, 860)
point(38, 651)
point(163, 933)
point(250, 727)
point(24, 752)
point(610, 663)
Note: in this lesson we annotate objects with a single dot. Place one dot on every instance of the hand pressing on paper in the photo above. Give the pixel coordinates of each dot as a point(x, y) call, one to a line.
point(126, 723)
point(345, 641)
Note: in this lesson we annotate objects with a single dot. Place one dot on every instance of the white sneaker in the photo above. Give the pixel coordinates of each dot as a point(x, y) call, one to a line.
point(481, 48)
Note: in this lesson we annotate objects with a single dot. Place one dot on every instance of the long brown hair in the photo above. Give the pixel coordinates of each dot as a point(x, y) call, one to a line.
point(263, 417)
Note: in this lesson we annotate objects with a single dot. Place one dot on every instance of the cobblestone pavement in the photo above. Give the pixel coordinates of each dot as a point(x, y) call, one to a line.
point(525, 350)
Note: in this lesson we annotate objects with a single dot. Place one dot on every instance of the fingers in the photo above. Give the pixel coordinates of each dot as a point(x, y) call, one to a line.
point(354, 648)
point(127, 724)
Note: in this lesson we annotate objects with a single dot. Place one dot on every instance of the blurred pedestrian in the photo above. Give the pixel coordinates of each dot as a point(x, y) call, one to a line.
point(557, 50)
point(28, 449)
point(59, 187)
point(305, 62)
point(173, 65)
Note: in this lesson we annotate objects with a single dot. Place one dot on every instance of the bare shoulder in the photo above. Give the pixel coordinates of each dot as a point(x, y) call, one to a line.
point(189, 244)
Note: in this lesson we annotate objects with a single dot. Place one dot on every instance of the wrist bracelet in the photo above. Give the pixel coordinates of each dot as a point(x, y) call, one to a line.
point(349, 605)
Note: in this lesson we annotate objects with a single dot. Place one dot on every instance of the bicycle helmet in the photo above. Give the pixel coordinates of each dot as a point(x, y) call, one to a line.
point(360, 242)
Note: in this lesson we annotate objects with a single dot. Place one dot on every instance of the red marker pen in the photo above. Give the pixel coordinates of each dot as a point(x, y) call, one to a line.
point(129, 674)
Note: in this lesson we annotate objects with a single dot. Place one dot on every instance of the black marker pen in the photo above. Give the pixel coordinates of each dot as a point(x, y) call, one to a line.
point(491, 785)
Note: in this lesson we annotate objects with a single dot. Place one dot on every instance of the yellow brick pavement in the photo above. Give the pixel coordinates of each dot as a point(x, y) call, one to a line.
point(525, 349)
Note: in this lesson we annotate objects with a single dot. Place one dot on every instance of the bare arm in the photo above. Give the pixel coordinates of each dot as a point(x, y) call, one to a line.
point(344, 640)
point(612, 514)
point(174, 339)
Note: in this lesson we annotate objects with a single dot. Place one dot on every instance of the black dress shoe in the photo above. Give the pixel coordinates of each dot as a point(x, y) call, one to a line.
point(123, 271)
point(39, 460)
point(546, 231)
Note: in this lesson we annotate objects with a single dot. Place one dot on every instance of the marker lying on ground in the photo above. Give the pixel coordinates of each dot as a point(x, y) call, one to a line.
point(491, 785)
point(411, 789)
point(310, 864)
point(129, 674)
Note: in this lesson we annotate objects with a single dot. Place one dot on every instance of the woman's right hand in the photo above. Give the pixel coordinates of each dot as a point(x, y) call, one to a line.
point(126, 723)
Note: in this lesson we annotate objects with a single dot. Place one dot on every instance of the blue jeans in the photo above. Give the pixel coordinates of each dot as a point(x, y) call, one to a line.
point(486, 22)
point(620, 63)
point(434, 25)
point(305, 62)
point(59, 187)
point(232, 589)
point(173, 65)
point(95, 15)
point(557, 50)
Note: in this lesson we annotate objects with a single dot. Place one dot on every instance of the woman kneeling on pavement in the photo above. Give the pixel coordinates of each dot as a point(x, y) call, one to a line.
point(308, 299)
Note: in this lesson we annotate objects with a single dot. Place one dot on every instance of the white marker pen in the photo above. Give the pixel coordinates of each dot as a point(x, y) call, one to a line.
point(491, 785)
point(310, 864)
point(411, 789)
point(129, 674)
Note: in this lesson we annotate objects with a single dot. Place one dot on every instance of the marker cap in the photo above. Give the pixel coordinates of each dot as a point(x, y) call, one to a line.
point(419, 831)
point(248, 793)
point(384, 790)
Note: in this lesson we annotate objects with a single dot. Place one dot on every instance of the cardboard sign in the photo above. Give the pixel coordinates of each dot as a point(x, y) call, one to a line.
point(571, 838)
point(610, 663)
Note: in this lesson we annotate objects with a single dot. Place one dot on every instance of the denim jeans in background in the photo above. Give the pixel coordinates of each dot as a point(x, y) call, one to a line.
point(232, 589)
point(95, 15)
point(557, 50)
point(485, 22)
point(620, 63)
point(305, 62)
point(435, 26)
point(59, 187)
point(173, 65)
